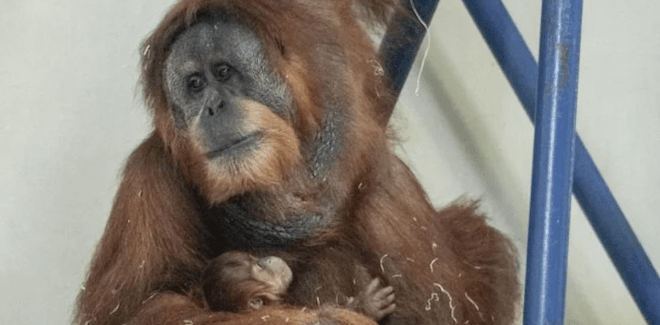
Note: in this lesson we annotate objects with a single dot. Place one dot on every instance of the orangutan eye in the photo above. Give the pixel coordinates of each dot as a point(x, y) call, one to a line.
point(223, 72)
point(196, 83)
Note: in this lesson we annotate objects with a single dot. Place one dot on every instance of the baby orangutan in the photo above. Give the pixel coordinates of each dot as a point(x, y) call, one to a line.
point(239, 282)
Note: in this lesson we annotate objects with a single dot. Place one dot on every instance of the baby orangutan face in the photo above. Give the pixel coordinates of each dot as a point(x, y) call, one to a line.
point(258, 280)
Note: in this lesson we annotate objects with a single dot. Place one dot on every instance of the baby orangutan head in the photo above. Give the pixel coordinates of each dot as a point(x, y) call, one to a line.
point(237, 281)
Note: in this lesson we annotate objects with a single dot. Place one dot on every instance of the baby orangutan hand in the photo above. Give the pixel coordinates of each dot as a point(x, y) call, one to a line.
point(374, 301)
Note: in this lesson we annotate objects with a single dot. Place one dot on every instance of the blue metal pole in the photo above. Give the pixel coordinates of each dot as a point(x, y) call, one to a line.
point(589, 187)
point(402, 40)
point(509, 48)
point(552, 174)
point(616, 235)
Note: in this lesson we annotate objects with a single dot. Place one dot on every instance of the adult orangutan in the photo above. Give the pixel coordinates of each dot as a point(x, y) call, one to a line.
point(269, 138)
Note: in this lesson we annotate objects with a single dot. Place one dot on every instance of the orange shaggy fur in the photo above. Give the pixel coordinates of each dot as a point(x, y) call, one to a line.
point(446, 267)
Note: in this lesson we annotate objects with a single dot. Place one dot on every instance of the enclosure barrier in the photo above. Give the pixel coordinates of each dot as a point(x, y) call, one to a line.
point(554, 167)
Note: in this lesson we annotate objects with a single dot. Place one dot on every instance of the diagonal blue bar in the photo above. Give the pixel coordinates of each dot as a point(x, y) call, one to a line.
point(402, 40)
point(589, 187)
point(552, 174)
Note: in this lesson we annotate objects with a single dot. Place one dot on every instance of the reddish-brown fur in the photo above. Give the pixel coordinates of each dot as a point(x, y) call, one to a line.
point(446, 267)
point(233, 293)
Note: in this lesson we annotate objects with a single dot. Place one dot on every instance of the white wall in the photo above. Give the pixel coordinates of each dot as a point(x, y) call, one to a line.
point(72, 112)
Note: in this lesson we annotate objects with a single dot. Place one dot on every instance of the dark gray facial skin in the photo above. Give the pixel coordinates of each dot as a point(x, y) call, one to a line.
point(211, 68)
